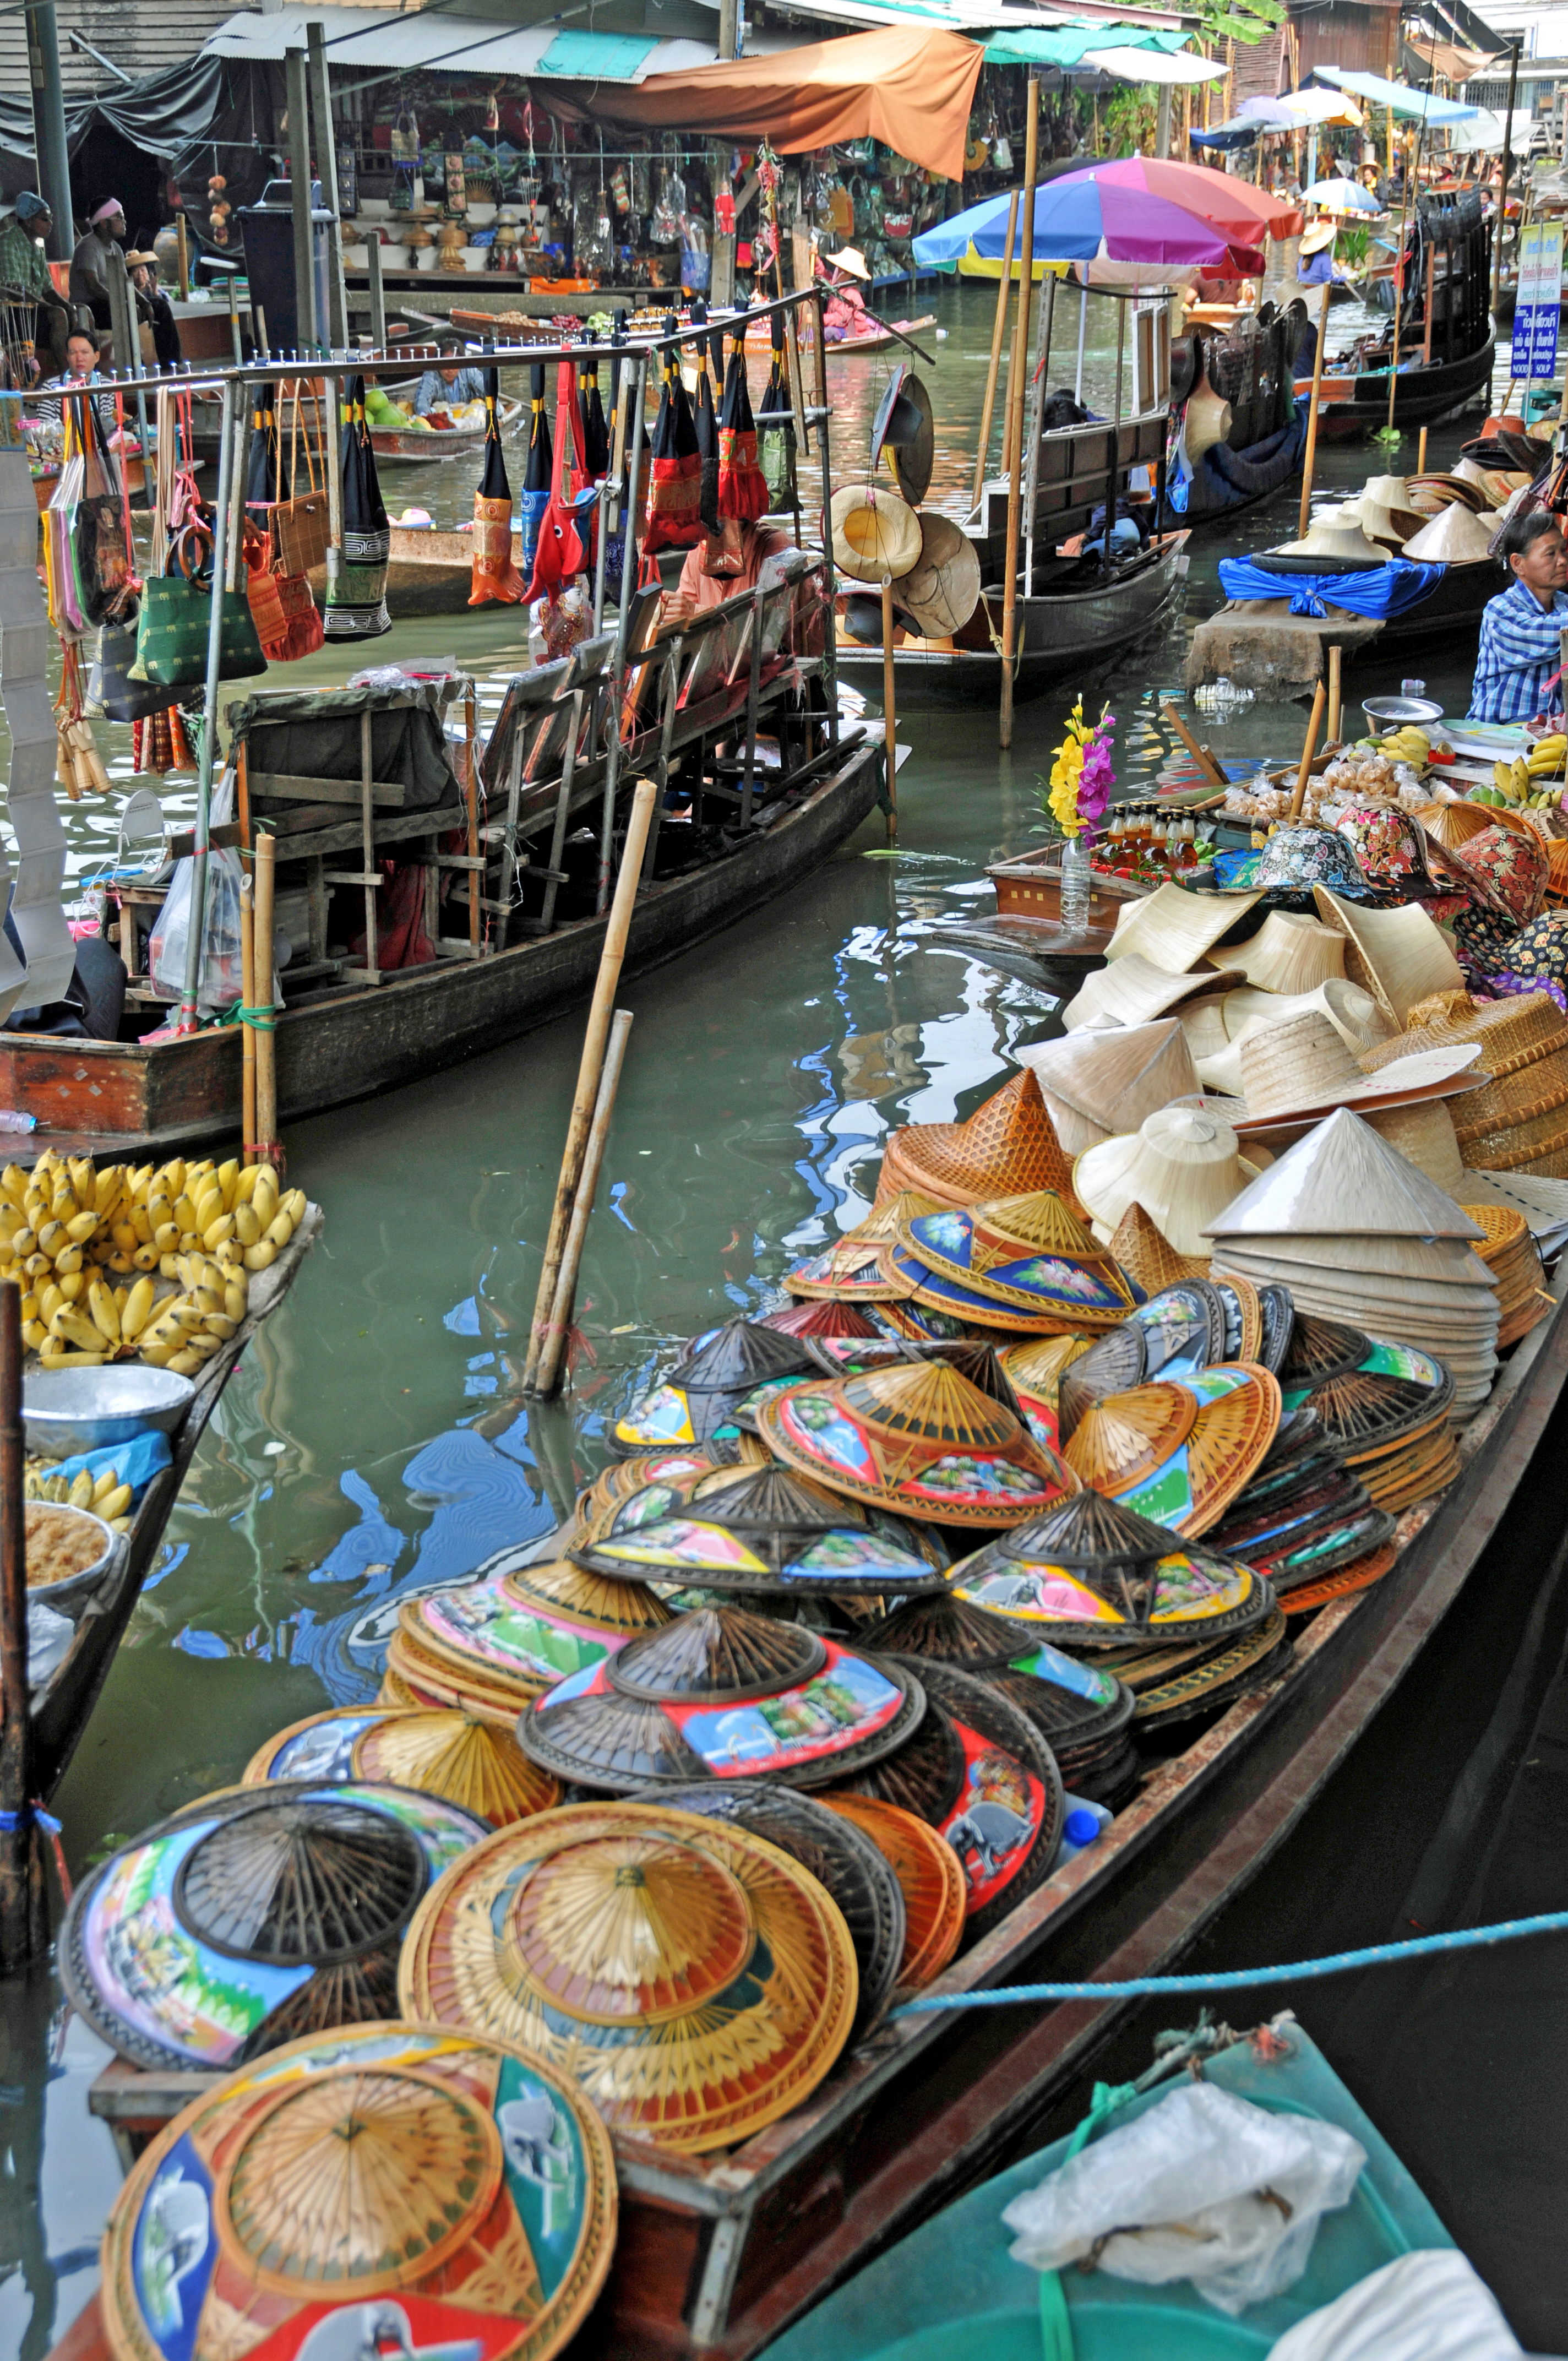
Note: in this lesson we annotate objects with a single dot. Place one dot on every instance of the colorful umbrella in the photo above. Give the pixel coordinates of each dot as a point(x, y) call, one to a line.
point(1137, 209)
point(1342, 197)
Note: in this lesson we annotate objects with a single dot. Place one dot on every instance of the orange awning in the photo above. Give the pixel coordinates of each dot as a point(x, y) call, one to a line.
point(911, 89)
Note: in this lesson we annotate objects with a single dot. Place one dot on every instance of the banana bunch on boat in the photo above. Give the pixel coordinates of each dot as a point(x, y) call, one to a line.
point(105, 1494)
point(1515, 782)
point(1406, 744)
point(155, 1260)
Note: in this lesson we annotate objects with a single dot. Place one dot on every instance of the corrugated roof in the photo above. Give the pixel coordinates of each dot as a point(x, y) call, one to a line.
point(435, 40)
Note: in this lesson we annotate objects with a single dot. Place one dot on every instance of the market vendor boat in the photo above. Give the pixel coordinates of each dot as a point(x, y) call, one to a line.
point(416, 447)
point(1236, 419)
point(429, 571)
point(1445, 353)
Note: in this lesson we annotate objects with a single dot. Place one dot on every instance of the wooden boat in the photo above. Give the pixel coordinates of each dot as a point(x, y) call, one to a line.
point(63, 1706)
point(414, 446)
point(1261, 645)
point(1025, 938)
point(717, 2255)
point(429, 573)
point(1249, 363)
point(1353, 405)
point(1445, 361)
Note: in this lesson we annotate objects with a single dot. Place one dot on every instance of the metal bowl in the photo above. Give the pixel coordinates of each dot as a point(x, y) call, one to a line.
point(75, 1585)
point(1387, 712)
point(69, 1411)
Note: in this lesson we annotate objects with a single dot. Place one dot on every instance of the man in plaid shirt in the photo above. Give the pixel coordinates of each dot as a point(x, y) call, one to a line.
point(1521, 630)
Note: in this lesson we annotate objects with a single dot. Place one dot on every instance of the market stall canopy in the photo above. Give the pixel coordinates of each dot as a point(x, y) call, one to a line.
point(1397, 96)
point(1302, 106)
point(1154, 65)
point(1241, 131)
point(1487, 132)
point(1066, 46)
point(913, 89)
point(160, 115)
point(433, 39)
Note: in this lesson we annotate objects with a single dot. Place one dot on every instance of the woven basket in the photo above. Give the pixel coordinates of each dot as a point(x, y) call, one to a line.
point(1556, 889)
point(1504, 1228)
point(1512, 1033)
point(1514, 1098)
point(1510, 1148)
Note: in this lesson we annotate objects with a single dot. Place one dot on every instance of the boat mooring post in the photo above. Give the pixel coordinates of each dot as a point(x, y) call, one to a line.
point(229, 390)
point(549, 1378)
point(1016, 408)
point(1312, 451)
point(1115, 467)
point(1319, 702)
point(626, 495)
point(264, 963)
point(1336, 662)
point(889, 715)
point(24, 1928)
point(1004, 289)
point(1507, 170)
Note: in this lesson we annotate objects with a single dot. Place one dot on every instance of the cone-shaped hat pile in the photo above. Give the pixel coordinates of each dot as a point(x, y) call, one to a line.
point(508, 1637)
point(760, 1530)
point(854, 1269)
point(711, 1377)
point(1133, 994)
point(1006, 1149)
point(1456, 536)
point(469, 1759)
point(1511, 1254)
point(1179, 1450)
point(1387, 1420)
point(1096, 1082)
point(933, 1885)
point(1016, 1261)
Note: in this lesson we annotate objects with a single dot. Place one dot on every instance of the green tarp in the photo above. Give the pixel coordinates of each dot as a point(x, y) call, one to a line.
point(1066, 45)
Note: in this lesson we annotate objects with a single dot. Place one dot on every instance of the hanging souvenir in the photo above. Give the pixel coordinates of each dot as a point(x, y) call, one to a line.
point(103, 555)
point(495, 580)
point(706, 431)
point(775, 430)
point(264, 462)
point(536, 478)
point(676, 466)
point(742, 488)
point(563, 549)
point(356, 590)
point(596, 433)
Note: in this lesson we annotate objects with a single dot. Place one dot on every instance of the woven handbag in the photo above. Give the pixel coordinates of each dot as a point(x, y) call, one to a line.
point(176, 619)
point(111, 686)
point(299, 526)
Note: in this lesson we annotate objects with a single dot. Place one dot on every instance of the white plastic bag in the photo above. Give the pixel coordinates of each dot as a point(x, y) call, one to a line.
point(1204, 2187)
point(1428, 2306)
point(221, 978)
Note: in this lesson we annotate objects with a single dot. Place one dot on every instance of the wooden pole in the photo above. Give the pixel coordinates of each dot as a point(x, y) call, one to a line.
point(247, 1031)
point(183, 237)
point(550, 1359)
point(1307, 751)
point(306, 325)
point(1421, 454)
point(1015, 395)
point(593, 1041)
point(1508, 172)
point(1388, 428)
point(1336, 661)
point(890, 716)
point(263, 960)
point(475, 877)
point(1426, 341)
point(23, 1930)
point(1004, 289)
point(1309, 455)
point(1200, 754)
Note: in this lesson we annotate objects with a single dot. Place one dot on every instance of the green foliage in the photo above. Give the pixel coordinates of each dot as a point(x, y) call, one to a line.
point(1238, 20)
point(1127, 118)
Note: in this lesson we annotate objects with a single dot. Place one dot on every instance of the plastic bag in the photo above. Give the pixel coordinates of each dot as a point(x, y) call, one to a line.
point(221, 979)
point(1429, 2306)
point(1204, 2187)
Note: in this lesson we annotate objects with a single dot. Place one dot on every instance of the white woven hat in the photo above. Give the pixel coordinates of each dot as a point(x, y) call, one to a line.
point(1181, 1165)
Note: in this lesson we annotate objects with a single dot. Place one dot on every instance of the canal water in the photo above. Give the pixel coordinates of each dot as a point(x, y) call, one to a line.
point(375, 1440)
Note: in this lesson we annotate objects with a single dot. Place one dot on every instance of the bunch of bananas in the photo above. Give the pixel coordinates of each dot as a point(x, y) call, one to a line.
point(1407, 744)
point(105, 1494)
point(68, 1231)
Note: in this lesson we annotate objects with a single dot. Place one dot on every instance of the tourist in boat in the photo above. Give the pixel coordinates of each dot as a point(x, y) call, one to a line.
point(81, 369)
point(1518, 668)
point(1315, 267)
point(447, 384)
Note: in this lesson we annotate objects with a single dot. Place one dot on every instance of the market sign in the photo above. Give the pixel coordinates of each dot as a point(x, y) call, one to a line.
point(1537, 301)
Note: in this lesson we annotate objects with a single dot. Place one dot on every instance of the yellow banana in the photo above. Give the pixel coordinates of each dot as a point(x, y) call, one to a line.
point(137, 1310)
point(101, 1304)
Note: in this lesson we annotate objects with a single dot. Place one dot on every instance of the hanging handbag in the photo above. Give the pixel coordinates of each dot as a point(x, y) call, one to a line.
point(357, 586)
point(103, 551)
point(494, 579)
point(564, 544)
point(176, 623)
point(261, 594)
point(113, 688)
point(675, 471)
point(299, 526)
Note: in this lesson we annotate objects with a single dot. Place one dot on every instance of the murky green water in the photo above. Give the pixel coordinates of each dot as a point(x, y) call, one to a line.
point(374, 1439)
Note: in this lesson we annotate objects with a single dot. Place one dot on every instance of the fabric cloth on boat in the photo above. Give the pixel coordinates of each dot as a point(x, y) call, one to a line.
point(315, 734)
point(1540, 949)
point(1378, 593)
point(1520, 651)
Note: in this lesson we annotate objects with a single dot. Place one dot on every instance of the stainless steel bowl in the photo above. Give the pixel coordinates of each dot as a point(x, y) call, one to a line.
point(1389, 712)
point(76, 1586)
point(68, 1410)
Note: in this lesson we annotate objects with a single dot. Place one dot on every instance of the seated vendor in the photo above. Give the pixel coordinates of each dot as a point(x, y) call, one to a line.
point(721, 564)
point(844, 313)
point(1521, 630)
point(446, 385)
point(1316, 266)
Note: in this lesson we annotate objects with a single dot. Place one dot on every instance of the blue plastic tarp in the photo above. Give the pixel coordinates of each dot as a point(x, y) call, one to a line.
point(1397, 96)
point(1379, 592)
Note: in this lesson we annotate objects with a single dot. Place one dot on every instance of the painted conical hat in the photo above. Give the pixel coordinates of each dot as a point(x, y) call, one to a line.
point(1006, 1146)
point(762, 1530)
point(591, 1602)
point(977, 1772)
point(1396, 955)
point(516, 1647)
point(471, 1759)
point(1123, 1437)
point(933, 1885)
point(854, 1267)
point(1028, 1252)
point(921, 1440)
point(1081, 1704)
point(1342, 1179)
point(694, 1980)
point(1454, 537)
point(1035, 1370)
point(330, 2192)
point(821, 1319)
point(712, 1375)
point(1136, 1601)
point(1095, 1082)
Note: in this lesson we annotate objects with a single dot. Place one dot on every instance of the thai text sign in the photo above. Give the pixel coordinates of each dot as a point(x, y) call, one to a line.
point(1537, 301)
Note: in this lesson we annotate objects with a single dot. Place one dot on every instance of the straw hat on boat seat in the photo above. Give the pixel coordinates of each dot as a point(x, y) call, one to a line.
point(1454, 537)
point(1299, 1070)
point(1006, 1149)
point(1174, 928)
point(1337, 538)
point(1354, 1014)
point(1182, 1166)
point(1096, 1083)
point(1396, 955)
point(874, 533)
point(1135, 990)
point(1432, 494)
point(1290, 952)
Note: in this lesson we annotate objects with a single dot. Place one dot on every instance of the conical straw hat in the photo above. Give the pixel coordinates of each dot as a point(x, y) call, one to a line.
point(1173, 928)
point(1455, 537)
point(1149, 1257)
point(1182, 1166)
point(854, 1267)
point(471, 1759)
point(1299, 1069)
point(1470, 471)
point(1455, 823)
point(1341, 1179)
point(1289, 953)
point(1029, 1254)
point(760, 1530)
point(929, 1875)
point(1006, 1147)
point(1396, 955)
point(1333, 534)
point(1135, 990)
point(1095, 1084)
point(941, 590)
point(1386, 511)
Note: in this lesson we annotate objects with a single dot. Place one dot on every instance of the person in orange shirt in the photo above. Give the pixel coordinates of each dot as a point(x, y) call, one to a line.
point(721, 564)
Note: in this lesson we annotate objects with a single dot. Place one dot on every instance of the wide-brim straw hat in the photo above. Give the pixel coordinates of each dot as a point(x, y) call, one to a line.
point(1455, 537)
point(1340, 1180)
point(1290, 952)
point(1387, 509)
point(1006, 1149)
point(874, 533)
point(1455, 823)
point(1095, 1084)
point(1431, 494)
point(1135, 990)
point(941, 589)
point(1470, 471)
point(1182, 1166)
point(1320, 234)
point(1173, 928)
point(1354, 1014)
point(1396, 955)
point(1297, 1072)
point(469, 1759)
point(1335, 537)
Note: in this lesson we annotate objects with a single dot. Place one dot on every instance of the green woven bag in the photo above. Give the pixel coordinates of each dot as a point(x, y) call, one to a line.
point(176, 618)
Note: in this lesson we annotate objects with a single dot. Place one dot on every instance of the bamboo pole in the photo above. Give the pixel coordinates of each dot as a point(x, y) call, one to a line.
point(1389, 430)
point(1421, 454)
point(1015, 396)
point(1309, 750)
point(1336, 662)
point(1004, 289)
point(889, 715)
point(555, 1348)
point(475, 877)
point(248, 1031)
point(593, 1041)
point(23, 1924)
point(1309, 454)
point(1200, 754)
point(1506, 173)
point(1426, 341)
point(263, 960)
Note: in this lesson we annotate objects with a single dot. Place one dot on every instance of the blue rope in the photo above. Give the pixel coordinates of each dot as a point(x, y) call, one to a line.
point(1462, 1938)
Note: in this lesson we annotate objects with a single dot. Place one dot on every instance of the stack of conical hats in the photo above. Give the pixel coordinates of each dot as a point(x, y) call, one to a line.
point(471, 1759)
point(1385, 1413)
point(1510, 1254)
point(1006, 1149)
point(1304, 1516)
point(1456, 536)
point(1026, 1264)
point(1359, 1234)
point(495, 1644)
point(854, 1269)
point(1146, 1255)
point(926, 1867)
point(717, 1371)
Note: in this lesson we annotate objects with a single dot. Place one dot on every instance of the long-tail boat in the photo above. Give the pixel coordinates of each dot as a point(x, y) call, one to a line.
point(1442, 329)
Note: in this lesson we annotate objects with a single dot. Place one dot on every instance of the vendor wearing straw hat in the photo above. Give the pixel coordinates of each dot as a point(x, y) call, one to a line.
point(1316, 266)
point(1518, 667)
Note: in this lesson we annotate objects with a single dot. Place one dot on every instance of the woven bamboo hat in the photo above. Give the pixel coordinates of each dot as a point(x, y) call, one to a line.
point(854, 1269)
point(1030, 1254)
point(712, 1375)
point(1354, 1014)
point(1522, 1047)
point(1289, 953)
point(331, 2191)
point(1456, 536)
point(1035, 1371)
point(824, 1319)
point(1342, 1181)
point(760, 1530)
point(977, 1772)
point(1386, 511)
point(509, 1647)
point(266, 1912)
point(694, 1980)
point(1454, 823)
point(1333, 535)
point(1149, 1256)
point(1297, 1072)
point(1005, 1149)
point(1432, 493)
point(1173, 928)
point(874, 533)
point(1135, 990)
point(929, 1876)
point(1096, 1083)
point(1182, 1166)
point(1424, 1135)
point(1396, 955)
point(470, 1759)
point(1237, 1414)
point(941, 589)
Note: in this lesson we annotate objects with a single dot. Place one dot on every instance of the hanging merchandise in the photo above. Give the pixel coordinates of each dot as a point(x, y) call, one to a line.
point(696, 261)
point(263, 465)
point(298, 521)
point(841, 210)
point(220, 979)
point(775, 432)
point(159, 744)
point(535, 497)
point(495, 580)
point(664, 228)
point(742, 488)
point(357, 587)
point(675, 470)
point(176, 621)
point(281, 590)
point(103, 555)
point(596, 433)
point(707, 430)
point(563, 549)
point(78, 764)
point(407, 184)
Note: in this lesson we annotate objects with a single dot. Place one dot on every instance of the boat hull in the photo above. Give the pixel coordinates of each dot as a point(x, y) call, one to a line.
point(1350, 407)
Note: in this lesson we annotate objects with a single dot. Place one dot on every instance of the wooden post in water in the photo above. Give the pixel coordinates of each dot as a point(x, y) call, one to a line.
point(1336, 661)
point(550, 1359)
point(1309, 454)
point(594, 1041)
point(889, 715)
point(248, 1031)
point(1421, 454)
point(1307, 751)
point(1016, 407)
point(268, 1150)
point(23, 1922)
point(1004, 289)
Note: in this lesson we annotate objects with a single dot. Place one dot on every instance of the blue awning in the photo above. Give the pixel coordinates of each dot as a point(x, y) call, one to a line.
point(1397, 96)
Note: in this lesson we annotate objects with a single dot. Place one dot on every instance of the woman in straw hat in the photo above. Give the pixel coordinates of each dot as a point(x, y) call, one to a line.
point(1518, 668)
